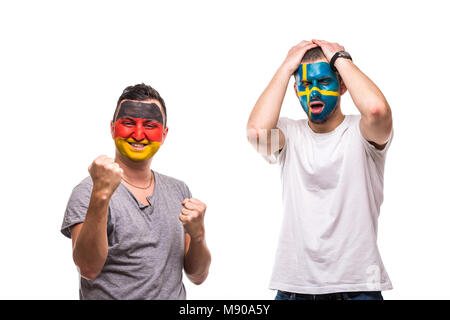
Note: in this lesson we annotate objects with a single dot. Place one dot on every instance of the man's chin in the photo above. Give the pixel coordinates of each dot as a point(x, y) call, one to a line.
point(323, 119)
point(136, 156)
point(139, 157)
point(319, 121)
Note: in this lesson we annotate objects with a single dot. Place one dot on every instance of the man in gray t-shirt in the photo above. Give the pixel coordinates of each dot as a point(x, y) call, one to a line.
point(133, 229)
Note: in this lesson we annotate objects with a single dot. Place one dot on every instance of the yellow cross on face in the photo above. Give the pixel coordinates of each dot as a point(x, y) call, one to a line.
point(317, 77)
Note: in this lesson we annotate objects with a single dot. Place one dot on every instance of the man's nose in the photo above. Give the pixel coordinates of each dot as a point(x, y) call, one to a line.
point(139, 133)
point(315, 94)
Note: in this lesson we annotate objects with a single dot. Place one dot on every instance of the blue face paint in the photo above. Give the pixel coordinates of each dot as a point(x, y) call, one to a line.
point(318, 90)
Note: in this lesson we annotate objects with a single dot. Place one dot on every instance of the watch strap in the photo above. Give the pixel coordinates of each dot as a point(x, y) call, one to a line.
point(339, 54)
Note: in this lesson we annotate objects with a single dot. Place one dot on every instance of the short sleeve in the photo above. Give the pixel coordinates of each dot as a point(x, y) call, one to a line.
point(279, 155)
point(371, 149)
point(377, 157)
point(186, 194)
point(77, 206)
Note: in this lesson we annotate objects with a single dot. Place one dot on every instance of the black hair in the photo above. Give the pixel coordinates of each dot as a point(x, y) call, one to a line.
point(141, 92)
point(313, 54)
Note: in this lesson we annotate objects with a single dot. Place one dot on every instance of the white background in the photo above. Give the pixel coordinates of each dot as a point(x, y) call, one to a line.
point(64, 64)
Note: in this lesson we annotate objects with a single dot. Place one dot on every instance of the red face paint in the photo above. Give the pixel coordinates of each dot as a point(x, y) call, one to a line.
point(139, 129)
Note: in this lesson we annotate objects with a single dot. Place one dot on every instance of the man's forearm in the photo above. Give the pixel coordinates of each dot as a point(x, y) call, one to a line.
point(367, 97)
point(197, 261)
point(266, 112)
point(91, 247)
point(267, 109)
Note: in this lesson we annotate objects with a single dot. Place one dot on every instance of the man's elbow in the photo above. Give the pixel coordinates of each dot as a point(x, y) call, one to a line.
point(88, 274)
point(198, 279)
point(261, 139)
point(380, 112)
point(86, 271)
point(252, 133)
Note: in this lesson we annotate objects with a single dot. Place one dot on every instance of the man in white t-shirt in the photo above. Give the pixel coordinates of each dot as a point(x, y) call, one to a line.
point(332, 168)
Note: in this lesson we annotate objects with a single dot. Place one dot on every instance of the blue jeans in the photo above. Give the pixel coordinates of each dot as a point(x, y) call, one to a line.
point(361, 295)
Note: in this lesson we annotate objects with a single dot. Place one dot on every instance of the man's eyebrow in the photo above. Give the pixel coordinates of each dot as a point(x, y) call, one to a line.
point(145, 120)
point(151, 120)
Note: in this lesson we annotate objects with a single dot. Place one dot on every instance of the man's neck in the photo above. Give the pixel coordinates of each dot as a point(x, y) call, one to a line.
point(332, 123)
point(135, 172)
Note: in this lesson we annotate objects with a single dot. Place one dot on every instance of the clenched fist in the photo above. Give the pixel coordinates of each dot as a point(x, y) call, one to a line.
point(192, 217)
point(106, 175)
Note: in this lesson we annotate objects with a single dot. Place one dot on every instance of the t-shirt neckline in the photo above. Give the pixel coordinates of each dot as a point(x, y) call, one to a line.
point(150, 198)
point(327, 134)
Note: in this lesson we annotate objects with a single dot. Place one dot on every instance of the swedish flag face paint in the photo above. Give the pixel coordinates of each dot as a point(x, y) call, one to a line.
point(318, 90)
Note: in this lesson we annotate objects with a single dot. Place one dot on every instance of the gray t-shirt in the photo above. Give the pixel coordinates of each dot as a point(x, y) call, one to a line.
point(145, 242)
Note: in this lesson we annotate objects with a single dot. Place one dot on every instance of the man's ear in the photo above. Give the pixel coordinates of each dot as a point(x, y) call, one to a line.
point(342, 85)
point(295, 86)
point(112, 129)
point(166, 131)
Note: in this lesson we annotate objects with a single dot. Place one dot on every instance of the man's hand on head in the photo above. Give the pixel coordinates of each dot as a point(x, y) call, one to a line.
point(329, 48)
point(295, 55)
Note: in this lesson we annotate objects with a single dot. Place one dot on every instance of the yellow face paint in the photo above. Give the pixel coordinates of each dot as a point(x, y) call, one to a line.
point(317, 85)
point(138, 130)
point(140, 151)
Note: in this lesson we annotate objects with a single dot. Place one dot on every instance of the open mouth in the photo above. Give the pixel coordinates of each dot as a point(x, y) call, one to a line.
point(316, 107)
point(137, 145)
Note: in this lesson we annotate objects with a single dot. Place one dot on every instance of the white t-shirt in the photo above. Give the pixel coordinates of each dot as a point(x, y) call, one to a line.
point(332, 189)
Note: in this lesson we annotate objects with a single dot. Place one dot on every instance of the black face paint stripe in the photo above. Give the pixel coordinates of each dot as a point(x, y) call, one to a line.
point(140, 110)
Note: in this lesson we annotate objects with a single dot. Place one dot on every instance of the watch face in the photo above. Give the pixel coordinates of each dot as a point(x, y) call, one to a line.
point(344, 54)
point(340, 54)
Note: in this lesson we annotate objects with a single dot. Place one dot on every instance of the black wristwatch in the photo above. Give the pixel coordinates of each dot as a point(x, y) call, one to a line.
point(339, 54)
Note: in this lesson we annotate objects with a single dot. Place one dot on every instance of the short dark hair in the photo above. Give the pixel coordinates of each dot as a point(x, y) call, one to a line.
point(141, 92)
point(313, 54)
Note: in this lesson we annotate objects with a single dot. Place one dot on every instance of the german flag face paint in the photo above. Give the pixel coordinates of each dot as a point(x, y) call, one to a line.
point(318, 90)
point(138, 130)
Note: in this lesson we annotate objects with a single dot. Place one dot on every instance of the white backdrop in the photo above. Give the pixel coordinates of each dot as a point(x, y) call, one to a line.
point(64, 64)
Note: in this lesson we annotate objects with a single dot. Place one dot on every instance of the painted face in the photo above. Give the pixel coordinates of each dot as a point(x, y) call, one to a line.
point(138, 130)
point(318, 90)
